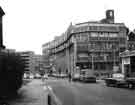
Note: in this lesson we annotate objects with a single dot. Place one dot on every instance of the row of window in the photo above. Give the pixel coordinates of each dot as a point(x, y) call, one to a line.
point(99, 58)
point(131, 46)
point(82, 37)
point(86, 36)
point(86, 27)
point(98, 46)
point(103, 46)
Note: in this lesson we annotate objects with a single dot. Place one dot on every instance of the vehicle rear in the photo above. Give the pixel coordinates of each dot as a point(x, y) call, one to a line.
point(87, 75)
point(117, 79)
point(76, 77)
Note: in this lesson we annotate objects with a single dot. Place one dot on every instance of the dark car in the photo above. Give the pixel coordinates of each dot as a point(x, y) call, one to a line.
point(87, 75)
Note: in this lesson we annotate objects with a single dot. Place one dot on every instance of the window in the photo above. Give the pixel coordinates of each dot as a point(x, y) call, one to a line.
point(94, 34)
point(112, 34)
point(84, 37)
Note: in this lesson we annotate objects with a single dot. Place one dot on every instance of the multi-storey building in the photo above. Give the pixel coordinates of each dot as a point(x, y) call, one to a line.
point(46, 57)
point(95, 45)
point(27, 56)
point(38, 64)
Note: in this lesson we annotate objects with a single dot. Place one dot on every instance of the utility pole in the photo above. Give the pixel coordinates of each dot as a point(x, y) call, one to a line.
point(113, 57)
point(92, 62)
point(1, 28)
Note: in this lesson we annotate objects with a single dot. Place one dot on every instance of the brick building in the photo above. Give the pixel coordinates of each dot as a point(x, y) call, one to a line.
point(94, 45)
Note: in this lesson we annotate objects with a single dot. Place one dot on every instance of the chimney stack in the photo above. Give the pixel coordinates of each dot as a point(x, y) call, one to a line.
point(110, 16)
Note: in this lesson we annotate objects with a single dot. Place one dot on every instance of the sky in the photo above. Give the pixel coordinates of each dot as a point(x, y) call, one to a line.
point(28, 24)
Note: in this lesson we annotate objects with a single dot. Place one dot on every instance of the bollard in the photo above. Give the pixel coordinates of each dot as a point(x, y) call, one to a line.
point(49, 99)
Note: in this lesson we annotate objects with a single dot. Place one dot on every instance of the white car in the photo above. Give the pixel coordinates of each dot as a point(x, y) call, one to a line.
point(45, 76)
point(38, 76)
point(31, 76)
point(76, 77)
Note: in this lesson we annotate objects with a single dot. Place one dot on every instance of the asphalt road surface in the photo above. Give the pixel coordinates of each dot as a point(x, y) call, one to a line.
point(76, 93)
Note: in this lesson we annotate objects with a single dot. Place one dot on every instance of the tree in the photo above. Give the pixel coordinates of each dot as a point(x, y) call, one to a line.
point(11, 73)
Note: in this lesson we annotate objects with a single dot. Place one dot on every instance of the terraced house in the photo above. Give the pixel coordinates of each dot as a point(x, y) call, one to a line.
point(93, 45)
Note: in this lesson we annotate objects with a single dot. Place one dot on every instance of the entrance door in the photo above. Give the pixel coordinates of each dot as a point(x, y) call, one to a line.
point(127, 70)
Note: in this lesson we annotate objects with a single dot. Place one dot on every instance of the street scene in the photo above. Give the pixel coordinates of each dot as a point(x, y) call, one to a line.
point(67, 53)
point(72, 93)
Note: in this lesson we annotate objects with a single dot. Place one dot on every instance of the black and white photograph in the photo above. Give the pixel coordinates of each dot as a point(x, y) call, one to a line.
point(67, 52)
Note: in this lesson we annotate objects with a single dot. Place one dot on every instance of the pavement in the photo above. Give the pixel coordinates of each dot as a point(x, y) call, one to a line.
point(34, 93)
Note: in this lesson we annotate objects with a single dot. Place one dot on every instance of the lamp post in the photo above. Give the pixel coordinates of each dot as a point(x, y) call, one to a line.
point(1, 28)
point(114, 59)
point(92, 55)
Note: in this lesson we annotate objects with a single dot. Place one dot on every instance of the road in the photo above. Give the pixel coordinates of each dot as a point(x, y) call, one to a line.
point(76, 93)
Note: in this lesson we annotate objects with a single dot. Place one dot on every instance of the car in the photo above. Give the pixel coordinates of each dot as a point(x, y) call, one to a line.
point(31, 76)
point(88, 79)
point(37, 76)
point(76, 77)
point(63, 75)
point(26, 76)
point(87, 75)
point(45, 76)
point(116, 80)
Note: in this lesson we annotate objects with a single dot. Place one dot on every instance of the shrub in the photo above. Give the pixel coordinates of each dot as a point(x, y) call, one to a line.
point(11, 73)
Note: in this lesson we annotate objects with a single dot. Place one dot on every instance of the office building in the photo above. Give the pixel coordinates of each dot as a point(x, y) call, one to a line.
point(91, 45)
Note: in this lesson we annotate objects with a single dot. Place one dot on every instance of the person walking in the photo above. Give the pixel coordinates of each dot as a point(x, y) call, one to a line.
point(69, 77)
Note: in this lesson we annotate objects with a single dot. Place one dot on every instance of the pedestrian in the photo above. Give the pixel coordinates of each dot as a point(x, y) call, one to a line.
point(69, 77)
point(43, 79)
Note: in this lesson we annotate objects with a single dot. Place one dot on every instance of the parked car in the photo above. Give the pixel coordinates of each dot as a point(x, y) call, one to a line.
point(45, 76)
point(63, 75)
point(119, 79)
point(37, 76)
point(76, 77)
point(26, 76)
point(87, 75)
point(31, 76)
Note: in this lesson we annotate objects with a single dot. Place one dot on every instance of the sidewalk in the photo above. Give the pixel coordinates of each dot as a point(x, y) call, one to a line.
point(31, 94)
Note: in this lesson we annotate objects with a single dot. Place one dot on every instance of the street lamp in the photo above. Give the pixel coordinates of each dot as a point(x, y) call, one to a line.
point(92, 55)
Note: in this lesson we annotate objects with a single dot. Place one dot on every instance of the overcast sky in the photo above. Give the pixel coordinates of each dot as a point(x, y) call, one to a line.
point(30, 23)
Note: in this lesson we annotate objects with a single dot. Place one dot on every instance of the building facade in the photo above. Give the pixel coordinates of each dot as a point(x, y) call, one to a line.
point(27, 56)
point(38, 64)
point(89, 45)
